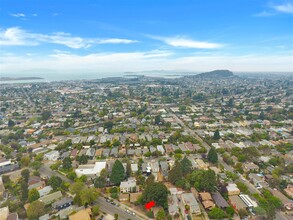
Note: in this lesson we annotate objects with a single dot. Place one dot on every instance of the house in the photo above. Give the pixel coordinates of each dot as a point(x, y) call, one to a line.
point(155, 167)
point(2, 188)
point(106, 152)
point(52, 155)
point(73, 153)
point(289, 190)
point(35, 182)
point(62, 203)
point(114, 152)
point(12, 216)
point(257, 180)
point(287, 203)
point(161, 149)
point(173, 206)
point(134, 167)
point(84, 214)
point(236, 202)
point(7, 165)
point(232, 189)
point(248, 167)
point(248, 201)
point(201, 164)
point(90, 170)
point(90, 153)
point(48, 199)
point(4, 212)
point(45, 191)
point(135, 196)
point(128, 186)
point(189, 199)
point(164, 168)
point(219, 200)
point(206, 200)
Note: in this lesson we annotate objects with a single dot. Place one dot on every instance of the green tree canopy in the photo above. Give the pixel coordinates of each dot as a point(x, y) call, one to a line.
point(157, 192)
point(35, 210)
point(217, 135)
point(118, 173)
point(55, 182)
point(67, 164)
point(212, 155)
point(186, 166)
point(33, 195)
point(217, 213)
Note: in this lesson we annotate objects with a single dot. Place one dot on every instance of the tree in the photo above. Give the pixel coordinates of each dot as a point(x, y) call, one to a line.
point(33, 195)
point(161, 215)
point(35, 210)
point(261, 116)
point(96, 210)
point(24, 190)
point(11, 123)
point(46, 115)
point(76, 187)
point(150, 180)
point(116, 216)
point(118, 173)
point(186, 166)
point(67, 164)
point(204, 180)
point(128, 169)
point(55, 182)
point(217, 213)
point(217, 135)
point(25, 174)
point(157, 192)
point(231, 103)
point(212, 155)
point(100, 182)
point(88, 195)
point(157, 119)
point(230, 211)
point(83, 159)
point(175, 174)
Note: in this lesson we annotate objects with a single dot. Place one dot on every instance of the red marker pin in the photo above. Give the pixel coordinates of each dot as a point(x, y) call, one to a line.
point(149, 205)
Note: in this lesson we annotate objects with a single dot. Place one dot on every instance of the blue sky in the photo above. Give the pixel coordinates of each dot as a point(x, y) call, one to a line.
point(117, 36)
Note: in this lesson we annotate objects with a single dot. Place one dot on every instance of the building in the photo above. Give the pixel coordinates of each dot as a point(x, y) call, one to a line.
point(84, 214)
point(128, 186)
point(206, 200)
point(90, 170)
point(248, 201)
point(232, 189)
point(12, 216)
point(287, 203)
point(201, 164)
point(2, 188)
point(189, 199)
point(257, 180)
point(7, 165)
point(237, 203)
point(45, 191)
point(219, 200)
point(63, 203)
point(35, 182)
point(4, 212)
point(173, 206)
point(248, 167)
point(48, 199)
point(289, 190)
point(52, 155)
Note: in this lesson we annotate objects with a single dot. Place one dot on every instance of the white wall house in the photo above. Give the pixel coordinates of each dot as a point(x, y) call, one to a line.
point(90, 169)
point(52, 155)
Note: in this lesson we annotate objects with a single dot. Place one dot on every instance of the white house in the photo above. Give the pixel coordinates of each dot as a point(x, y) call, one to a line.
point(52, 155)
point(128, 186)
point(90, 169)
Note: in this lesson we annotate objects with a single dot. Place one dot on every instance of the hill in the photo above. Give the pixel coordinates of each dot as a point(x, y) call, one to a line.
point(214, 74)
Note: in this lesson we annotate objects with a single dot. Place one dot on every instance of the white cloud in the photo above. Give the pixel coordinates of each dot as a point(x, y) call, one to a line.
point(16, 36)
point(140, 61)
point(284, 8)
point(35, 14)
point(187, 43)
point(264, 14)
point(18, 15)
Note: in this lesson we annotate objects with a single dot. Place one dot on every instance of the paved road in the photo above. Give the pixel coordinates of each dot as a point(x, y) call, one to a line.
point(112, 210)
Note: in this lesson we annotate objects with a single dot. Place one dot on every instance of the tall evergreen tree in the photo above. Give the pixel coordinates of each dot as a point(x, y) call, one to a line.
point(118, 173)
point(212, 155)
point(175, 173)
point(186, 166)
point(217, 135)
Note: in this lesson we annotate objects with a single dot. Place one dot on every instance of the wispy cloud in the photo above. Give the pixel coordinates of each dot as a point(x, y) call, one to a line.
point(18, 15)
point(16, 36)
point(264, 14)
point(184, 42)
point(284, 8)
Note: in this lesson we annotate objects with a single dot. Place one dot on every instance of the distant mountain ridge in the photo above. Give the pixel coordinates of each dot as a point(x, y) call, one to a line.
point(214, 74)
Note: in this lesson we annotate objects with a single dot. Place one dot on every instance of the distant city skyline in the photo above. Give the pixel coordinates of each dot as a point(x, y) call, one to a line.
point(118, 36)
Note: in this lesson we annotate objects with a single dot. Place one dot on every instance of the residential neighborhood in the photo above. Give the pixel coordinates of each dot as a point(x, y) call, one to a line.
point(199, 148)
